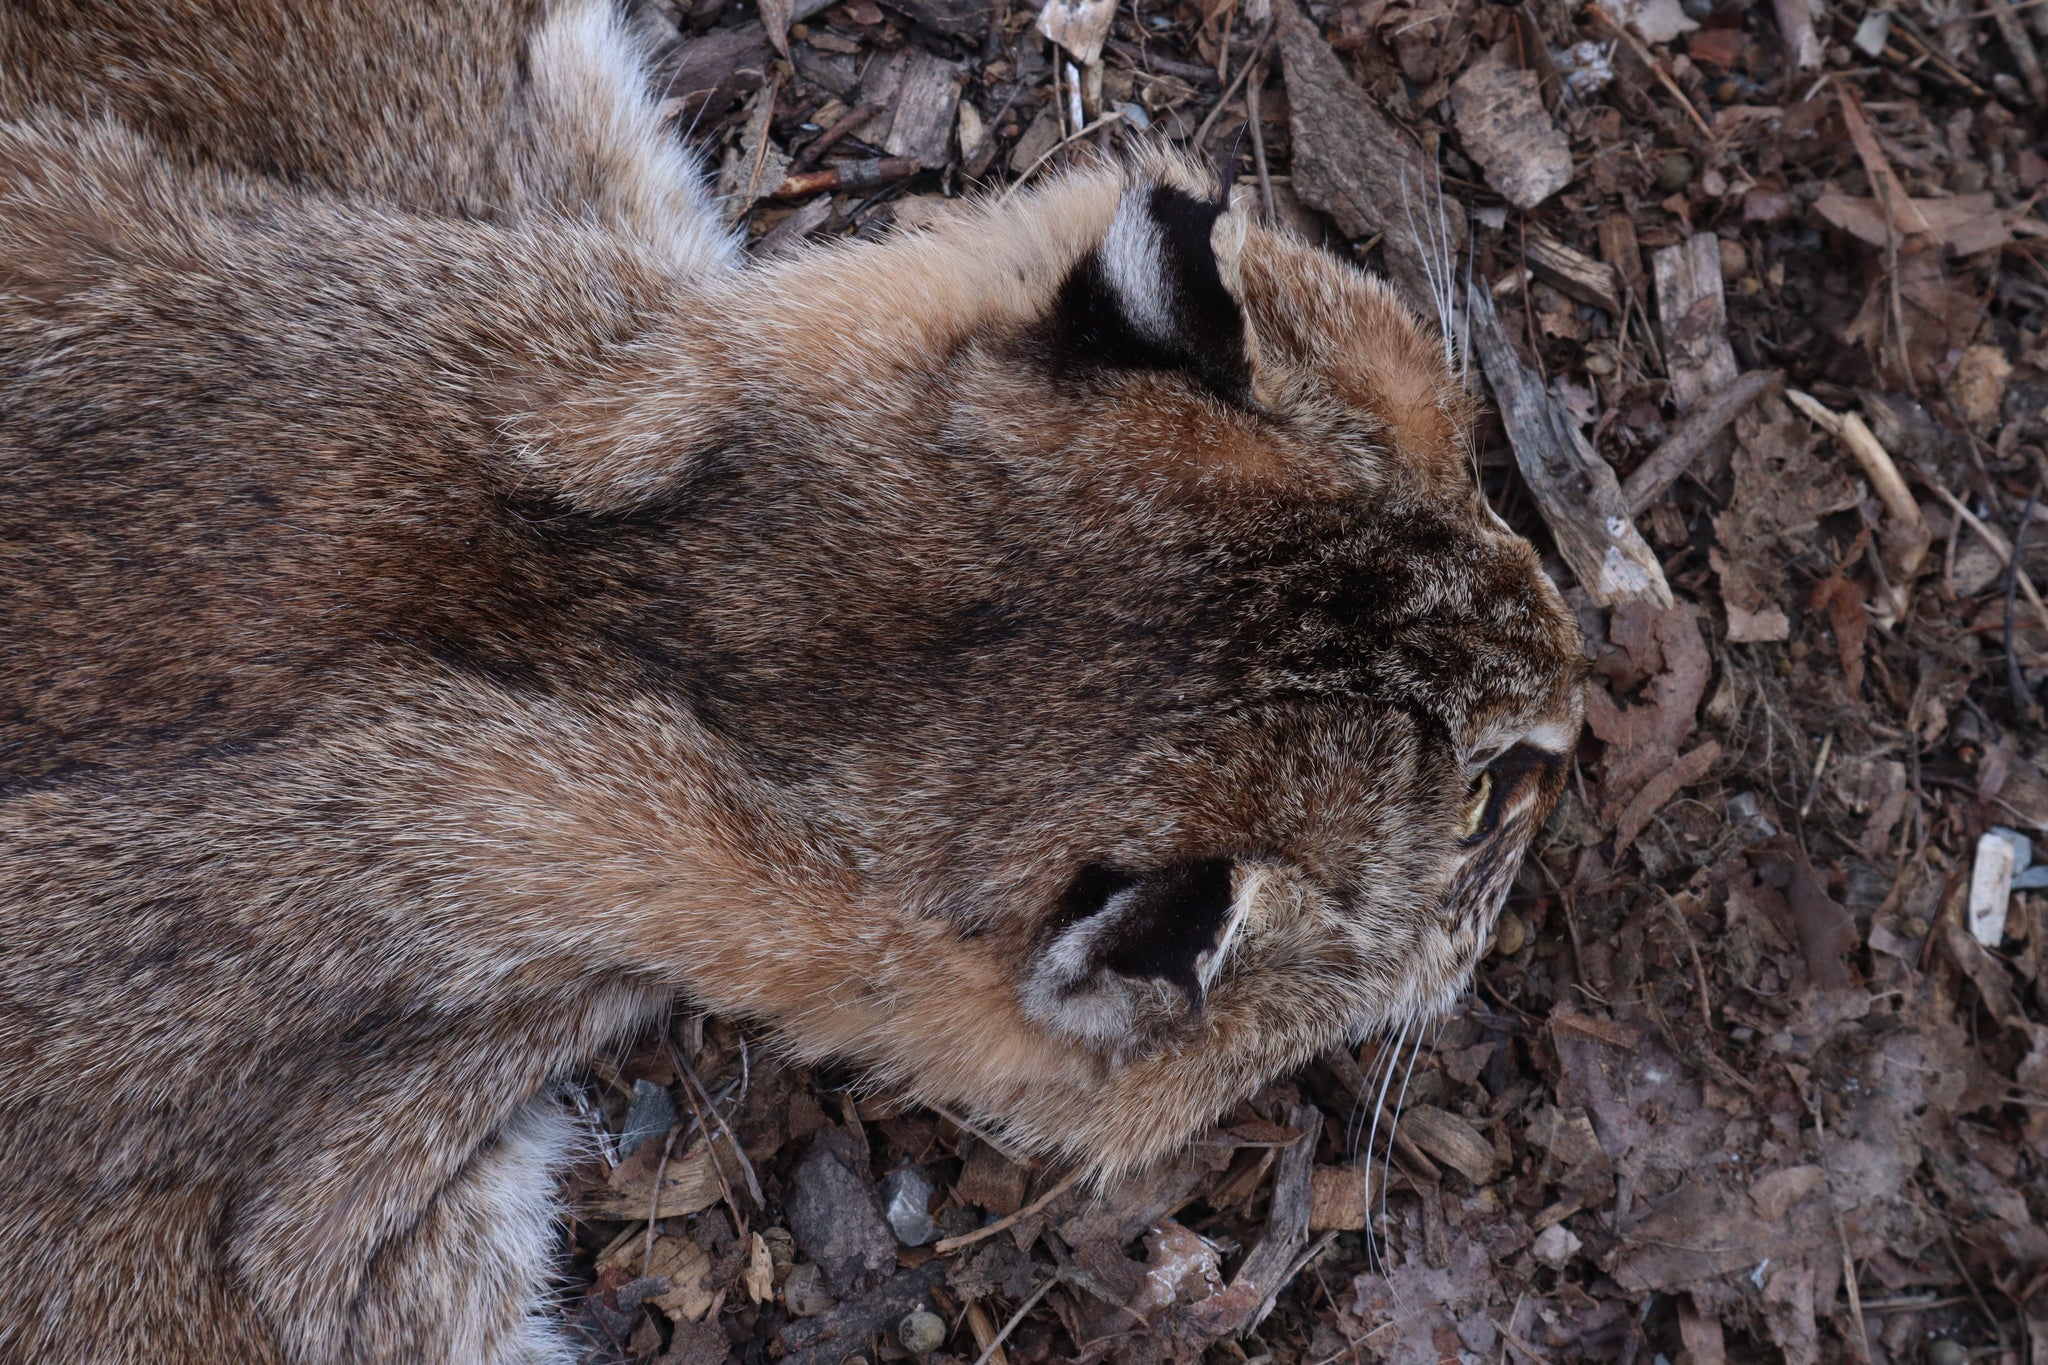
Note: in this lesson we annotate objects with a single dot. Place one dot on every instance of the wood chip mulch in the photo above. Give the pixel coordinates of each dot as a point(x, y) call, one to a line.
point(1758, 1067)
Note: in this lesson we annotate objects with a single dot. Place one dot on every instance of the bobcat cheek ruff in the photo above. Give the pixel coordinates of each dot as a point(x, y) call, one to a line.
point(1056, 659)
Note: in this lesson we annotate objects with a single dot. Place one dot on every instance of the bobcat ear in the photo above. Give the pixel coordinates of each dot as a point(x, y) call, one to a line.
point(1154, 295)
point(1119, 935)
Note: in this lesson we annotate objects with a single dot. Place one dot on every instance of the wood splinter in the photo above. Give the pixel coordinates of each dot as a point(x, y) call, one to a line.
point(1574, 488)
point(1912, 536)
point(1691, 436)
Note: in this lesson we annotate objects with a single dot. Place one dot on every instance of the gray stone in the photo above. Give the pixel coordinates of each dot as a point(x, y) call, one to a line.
point(648, 1118)
point(906, 1203)
point(836, 1216)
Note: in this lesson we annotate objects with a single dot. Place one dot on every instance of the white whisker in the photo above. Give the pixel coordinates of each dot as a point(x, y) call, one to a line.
point(1372, 1138)
point(1399, 1101)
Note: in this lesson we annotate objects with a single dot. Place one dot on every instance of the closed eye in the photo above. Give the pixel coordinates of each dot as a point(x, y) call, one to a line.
point(1476, 805)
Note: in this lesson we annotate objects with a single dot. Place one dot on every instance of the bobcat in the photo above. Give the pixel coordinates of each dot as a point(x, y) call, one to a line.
point(454, 607)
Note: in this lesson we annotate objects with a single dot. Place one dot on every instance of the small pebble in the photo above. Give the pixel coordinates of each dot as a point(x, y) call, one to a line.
point(648, 1119)
point(906, 1197)
point(1734, 260)
point(1674, 172)
point(921, 1333)
point(804, 1292)
point(1945, 1352)
point(1510, 934)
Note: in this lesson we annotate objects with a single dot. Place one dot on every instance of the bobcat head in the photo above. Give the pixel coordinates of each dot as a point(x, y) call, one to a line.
point(1113, 573)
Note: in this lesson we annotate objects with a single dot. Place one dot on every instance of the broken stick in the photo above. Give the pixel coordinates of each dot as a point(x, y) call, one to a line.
point(1239, 1306)
point(847, 175)
point(1999, 547)
point(1574, 488)
point(1693, 434)
point(1848, 428)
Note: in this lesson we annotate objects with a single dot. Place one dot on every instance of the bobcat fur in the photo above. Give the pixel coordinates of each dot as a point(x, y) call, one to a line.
point(452, 608)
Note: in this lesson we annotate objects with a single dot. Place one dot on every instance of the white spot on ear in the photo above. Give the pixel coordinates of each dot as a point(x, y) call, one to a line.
point(1133, 256)
point(1072, 996)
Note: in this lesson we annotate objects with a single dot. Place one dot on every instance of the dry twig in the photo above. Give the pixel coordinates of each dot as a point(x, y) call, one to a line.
point(1690, 438)
point(952, 1244)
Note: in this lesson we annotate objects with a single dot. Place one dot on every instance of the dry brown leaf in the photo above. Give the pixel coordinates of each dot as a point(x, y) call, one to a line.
point(1701, 1333)
point(1451, 1139)
point(776, 17)
point(1965, 225)
point(1776, 1192)
point(1939, 310)
point(1826, 930)
point(1181, 1266)
point(678, 1260)
point(1643, 768)
point(1843, 602)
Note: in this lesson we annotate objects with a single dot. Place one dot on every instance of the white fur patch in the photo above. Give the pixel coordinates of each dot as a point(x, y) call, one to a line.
point(1251, 880)
point(534, 1145)
point(1133, 259)
point(599, 145)
point(1072, 996)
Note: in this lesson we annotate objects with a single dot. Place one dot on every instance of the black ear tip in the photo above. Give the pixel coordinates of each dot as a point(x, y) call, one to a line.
point(1151, 296)
point(1172, 917)
point(1089, 893)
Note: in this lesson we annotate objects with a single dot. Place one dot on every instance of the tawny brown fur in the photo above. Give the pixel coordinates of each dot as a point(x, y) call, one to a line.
point(451, 609)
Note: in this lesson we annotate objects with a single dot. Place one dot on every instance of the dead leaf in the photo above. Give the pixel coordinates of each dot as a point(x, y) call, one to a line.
point(1781, 490)
point(1826, 931)
point(1978, 385)
point(1777, 1191)
point(776, 17)
point(1788, 1312)
point(1939, 311)
point(1701, 1333)
point(1658, 792)
point(1756, 627)
point(1643, 769)
point(1079, 26)
point(678, 1260)
point(1964, 225)
point(1181, 1266)
point(1984, 970)
point(1843, 601)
